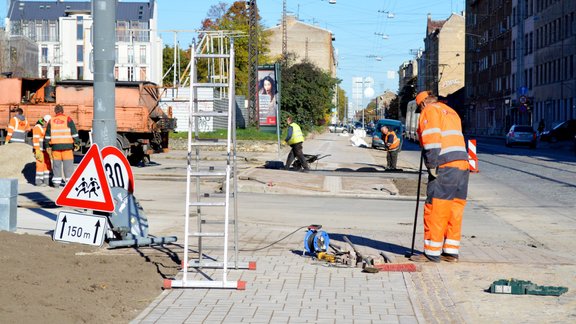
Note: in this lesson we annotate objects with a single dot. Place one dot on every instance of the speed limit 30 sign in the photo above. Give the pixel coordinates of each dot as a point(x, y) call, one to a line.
point(117, 169)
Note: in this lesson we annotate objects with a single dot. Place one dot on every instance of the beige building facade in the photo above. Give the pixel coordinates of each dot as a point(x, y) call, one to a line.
point(309, 43)
point(442, 69)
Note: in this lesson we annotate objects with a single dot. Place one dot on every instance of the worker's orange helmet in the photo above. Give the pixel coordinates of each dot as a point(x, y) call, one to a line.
point(421, 96)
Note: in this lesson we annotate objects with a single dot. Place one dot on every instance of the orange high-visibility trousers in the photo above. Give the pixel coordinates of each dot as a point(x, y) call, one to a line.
point(43, 170)
point(444, 208)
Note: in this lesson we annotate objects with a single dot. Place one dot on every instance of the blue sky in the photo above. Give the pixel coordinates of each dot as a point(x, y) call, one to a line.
point(355, 24)
point(358, 25)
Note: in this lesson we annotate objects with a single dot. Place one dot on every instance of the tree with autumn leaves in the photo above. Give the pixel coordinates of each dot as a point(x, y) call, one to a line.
point(307, 91)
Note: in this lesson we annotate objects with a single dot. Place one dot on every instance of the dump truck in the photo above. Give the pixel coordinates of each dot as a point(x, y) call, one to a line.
point(142, 126)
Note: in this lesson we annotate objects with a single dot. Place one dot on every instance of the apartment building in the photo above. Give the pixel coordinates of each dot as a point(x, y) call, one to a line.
point(550, 37)
point(308, 42)
point(441, 67)
point(18, 56)
point(63, 33)
point(489, 77)
point(521, 65)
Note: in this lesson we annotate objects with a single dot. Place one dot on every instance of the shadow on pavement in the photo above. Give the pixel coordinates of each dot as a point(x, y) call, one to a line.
point(360, 241)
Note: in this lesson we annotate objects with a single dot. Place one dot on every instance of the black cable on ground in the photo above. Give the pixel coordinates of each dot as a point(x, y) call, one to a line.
point(269, 245)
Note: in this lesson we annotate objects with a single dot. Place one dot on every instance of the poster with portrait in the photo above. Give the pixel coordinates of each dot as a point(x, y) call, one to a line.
point(267, 98)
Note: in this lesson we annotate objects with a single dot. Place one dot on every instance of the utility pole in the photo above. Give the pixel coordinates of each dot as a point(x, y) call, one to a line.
point(252, 61)
point(285, 33)
point(104, 122)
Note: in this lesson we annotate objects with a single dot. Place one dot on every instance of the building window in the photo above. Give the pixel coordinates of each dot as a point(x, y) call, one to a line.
point(80, 72)
point(53, 32)
point(44, 58)
point(57, 73)
point(79, 27)
point(79, 53)
point(130, 73)
point(143, 74)
point(142, 54)
point(44, 72)
point(122, 32)
point(130, 55)
point(56, 58)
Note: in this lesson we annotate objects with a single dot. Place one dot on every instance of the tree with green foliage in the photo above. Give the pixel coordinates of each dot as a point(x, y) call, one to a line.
point(342, 102)
point(168, 62)
point(307, 94)
point(235, 18)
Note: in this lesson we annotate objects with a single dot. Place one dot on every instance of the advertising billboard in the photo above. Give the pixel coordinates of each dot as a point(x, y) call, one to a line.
point(267, 97)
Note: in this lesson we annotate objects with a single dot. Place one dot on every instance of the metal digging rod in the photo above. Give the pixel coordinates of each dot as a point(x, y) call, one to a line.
point(411, 253)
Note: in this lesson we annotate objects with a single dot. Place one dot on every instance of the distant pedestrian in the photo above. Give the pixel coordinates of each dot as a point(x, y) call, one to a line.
point(445, 156)
point(63, 139)
point(392, 146)
point(295, 138)
point(541, 126)
point(17, 128)
point(43, 164)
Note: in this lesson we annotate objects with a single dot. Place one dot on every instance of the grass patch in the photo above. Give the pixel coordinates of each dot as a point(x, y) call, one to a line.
point(241, 134)
point(268, 134)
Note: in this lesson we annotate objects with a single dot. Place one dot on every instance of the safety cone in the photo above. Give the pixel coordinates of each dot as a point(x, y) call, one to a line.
point(472, 157)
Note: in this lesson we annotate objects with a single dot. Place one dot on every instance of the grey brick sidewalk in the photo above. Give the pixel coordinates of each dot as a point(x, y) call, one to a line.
point(287, 287)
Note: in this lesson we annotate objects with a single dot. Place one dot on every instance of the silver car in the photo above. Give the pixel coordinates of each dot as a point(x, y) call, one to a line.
point(521, 135)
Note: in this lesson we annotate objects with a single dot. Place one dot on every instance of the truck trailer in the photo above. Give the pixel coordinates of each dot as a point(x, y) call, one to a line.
point(142, 126)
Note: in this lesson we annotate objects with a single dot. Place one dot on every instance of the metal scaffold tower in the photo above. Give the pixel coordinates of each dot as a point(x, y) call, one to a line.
point(212, 83)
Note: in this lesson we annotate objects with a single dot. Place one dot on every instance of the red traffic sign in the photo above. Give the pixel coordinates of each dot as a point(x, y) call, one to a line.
point(117, 168)
point(88, 187)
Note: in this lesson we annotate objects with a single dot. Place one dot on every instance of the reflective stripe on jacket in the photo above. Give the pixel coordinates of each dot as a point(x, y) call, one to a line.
point(38, 133)
point(17, 130)
point(61, 133)
point(297, 135)
point(395, 141)
point(440, 134)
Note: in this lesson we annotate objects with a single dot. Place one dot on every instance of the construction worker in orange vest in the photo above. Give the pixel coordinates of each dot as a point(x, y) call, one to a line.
point(392, 145)
point(446, 158)
point(43, 164)
point(62, 136)
point(17, 128)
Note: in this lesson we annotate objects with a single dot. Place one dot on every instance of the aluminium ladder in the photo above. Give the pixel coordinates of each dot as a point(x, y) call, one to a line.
point(216, 51)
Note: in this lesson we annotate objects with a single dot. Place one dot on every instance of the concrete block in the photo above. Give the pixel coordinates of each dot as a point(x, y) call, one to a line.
point(8, 204)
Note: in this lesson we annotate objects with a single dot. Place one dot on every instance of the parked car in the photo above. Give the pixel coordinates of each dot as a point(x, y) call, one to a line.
point(561, 132)
point(521, 135)
point(338, 128)
point(395, 125)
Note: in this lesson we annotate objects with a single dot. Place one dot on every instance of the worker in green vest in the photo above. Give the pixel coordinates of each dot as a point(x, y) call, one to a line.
point(295, 138)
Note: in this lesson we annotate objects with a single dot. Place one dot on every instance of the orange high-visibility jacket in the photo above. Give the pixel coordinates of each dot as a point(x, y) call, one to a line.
point(17, 130)
point(38, 133)
point(440, 133)
point(61, 133)
point(395, 141)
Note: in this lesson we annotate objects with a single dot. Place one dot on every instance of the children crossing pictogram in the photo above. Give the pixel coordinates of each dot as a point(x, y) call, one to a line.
point(88, 187)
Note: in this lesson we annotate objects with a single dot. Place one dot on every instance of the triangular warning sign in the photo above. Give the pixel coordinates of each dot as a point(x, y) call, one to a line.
point(88, 187)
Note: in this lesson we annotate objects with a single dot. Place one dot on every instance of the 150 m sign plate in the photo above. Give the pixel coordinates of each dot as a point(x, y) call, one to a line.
point(80, 228)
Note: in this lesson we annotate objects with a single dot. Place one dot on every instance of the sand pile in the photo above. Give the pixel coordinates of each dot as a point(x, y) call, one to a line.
point(17, 162)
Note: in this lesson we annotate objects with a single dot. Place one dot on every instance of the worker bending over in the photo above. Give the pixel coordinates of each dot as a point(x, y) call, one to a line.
point(295, 138)
point(392, 146)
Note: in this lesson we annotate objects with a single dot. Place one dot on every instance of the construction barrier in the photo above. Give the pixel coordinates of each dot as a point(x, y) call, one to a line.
point(472, 157)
